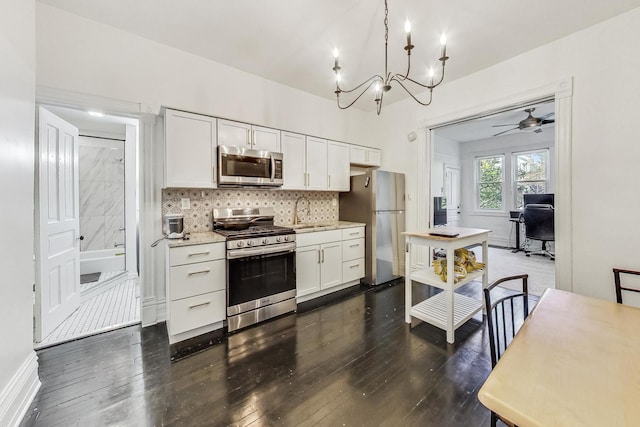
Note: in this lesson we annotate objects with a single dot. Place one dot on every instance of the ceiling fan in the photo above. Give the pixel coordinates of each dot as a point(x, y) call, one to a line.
point(529, 123)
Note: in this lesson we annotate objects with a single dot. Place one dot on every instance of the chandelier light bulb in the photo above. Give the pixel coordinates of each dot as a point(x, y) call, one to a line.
point(443, 39)
point(336, 53)
point(407, 26)
point(376, 87)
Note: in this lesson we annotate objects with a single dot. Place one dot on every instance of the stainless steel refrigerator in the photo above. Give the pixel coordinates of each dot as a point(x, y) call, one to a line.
point(377, 199)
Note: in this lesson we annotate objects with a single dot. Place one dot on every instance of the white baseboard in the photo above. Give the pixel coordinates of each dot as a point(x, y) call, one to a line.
point(19, 392)
point(153, 311)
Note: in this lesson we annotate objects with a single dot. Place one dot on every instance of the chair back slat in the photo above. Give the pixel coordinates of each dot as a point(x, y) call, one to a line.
point(502, 322)
point(618, 284)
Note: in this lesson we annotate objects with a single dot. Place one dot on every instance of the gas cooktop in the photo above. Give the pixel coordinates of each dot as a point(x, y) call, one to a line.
point(254, 231)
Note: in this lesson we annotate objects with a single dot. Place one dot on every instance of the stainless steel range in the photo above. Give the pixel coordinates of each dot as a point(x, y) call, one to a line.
point(261, 281)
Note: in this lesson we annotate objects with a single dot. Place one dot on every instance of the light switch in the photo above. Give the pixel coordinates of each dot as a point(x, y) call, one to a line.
point(186, 203)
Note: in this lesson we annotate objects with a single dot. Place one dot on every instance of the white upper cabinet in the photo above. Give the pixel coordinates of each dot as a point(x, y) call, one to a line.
point(190, 150)
point(304, 163)
point(240, 134)
point(316, 162)
point(294, 161)
point(365, 156)
point(338, 166)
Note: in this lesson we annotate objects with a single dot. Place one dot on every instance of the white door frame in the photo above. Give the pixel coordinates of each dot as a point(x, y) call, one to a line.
point(562, 93)
point(150, 173)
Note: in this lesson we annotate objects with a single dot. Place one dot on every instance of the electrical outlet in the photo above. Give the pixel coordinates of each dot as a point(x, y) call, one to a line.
point(186, 203)
point(334, 202)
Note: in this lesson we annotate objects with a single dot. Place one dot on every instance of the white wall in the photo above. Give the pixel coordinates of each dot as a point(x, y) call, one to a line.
point(502, 230)
point(447, 153)
point(17, 118)
point(84, 56)
point(605, 149)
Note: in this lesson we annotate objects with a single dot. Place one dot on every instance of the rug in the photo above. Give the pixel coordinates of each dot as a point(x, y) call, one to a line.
point(90, 277)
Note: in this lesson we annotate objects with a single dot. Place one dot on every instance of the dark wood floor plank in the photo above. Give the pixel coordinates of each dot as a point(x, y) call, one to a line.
point(352, 362)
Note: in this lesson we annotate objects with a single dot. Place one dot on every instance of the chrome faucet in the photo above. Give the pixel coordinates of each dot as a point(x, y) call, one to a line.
point(296, 214)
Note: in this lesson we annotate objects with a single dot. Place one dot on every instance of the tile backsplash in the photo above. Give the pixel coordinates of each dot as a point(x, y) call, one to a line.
point(198, 217)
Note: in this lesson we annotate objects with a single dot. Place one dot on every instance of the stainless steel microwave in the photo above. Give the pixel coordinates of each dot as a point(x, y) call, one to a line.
point(239, 167)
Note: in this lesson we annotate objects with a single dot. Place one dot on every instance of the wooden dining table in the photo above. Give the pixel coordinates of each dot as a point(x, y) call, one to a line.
point(574, 362)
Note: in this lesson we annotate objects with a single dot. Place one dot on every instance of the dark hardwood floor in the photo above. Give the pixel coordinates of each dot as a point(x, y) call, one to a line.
point(352, 362)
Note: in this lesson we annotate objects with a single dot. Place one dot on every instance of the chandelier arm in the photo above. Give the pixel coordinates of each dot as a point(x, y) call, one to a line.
point(355, 100)
point(370, 80)
point(399, 77)
point(413, 96)
point(406, 75)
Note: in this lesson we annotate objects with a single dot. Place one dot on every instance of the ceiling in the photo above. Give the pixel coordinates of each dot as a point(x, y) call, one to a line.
point(488, 126)
point(291, 41)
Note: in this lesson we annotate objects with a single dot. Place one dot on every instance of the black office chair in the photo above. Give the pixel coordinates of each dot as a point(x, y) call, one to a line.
point(619, 288)
point(539, 225)
point(502, 321)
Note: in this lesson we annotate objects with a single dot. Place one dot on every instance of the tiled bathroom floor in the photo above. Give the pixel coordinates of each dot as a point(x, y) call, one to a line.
point(117, 307)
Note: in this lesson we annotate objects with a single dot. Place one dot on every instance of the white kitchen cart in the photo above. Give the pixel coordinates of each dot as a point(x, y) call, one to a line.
point(447, 310)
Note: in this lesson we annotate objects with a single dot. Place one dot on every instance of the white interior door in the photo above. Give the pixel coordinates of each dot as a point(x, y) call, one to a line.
point(57, 223)
point(452, 193)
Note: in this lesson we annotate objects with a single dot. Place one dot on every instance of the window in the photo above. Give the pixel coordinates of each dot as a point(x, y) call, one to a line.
point(530, 174)
point(490, 181)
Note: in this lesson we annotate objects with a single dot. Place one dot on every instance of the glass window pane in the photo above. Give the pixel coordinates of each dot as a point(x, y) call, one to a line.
point(490, 196)
point(531, 166)
point(490, 169)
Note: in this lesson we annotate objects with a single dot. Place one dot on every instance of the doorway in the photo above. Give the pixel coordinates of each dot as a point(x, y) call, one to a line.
point(485, 164)
point(105, 277)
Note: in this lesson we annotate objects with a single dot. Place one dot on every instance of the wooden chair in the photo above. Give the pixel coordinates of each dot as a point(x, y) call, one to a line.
point(619, 287)
point(502, 321)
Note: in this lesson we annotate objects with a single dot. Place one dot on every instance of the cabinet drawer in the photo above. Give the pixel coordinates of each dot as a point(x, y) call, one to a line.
point(318, 237)
point(194, 312)
point(195, 279)
point(196, 253)
point(352, 270)
point(352, 249)
point(352, 233)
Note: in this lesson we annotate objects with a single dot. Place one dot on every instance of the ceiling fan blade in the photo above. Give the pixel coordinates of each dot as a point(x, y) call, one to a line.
point(510, 124)
point(546, 122)
point(546, 116)
point(505, 131)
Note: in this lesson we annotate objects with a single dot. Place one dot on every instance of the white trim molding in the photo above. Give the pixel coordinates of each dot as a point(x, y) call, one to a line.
point(562, 93)
point(20, 392)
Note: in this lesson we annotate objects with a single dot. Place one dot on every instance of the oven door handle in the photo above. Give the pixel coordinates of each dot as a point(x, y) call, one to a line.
point(263, 250)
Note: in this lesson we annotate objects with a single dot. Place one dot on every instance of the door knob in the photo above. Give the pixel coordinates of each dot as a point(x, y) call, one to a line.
point(80, 238)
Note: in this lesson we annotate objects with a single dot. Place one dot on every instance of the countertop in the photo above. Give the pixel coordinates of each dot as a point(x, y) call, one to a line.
point(325, 226)
point(198, 239)
point(212, 237)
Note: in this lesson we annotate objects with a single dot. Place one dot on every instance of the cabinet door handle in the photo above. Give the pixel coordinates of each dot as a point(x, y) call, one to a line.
point(248, 137)
point(198, 253)
point(191, 273)
point(253, 138)
point(354, 234)
point(323, 256)
point(200, 305)
point(329, 181)
point(354, 246)
point(354, 266)
point(318, 256)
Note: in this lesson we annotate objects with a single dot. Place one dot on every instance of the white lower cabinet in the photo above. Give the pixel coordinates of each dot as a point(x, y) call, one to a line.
point(196, 290)
point(327, 261)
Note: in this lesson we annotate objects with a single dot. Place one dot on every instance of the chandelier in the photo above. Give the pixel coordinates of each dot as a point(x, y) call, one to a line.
point(382, 84)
